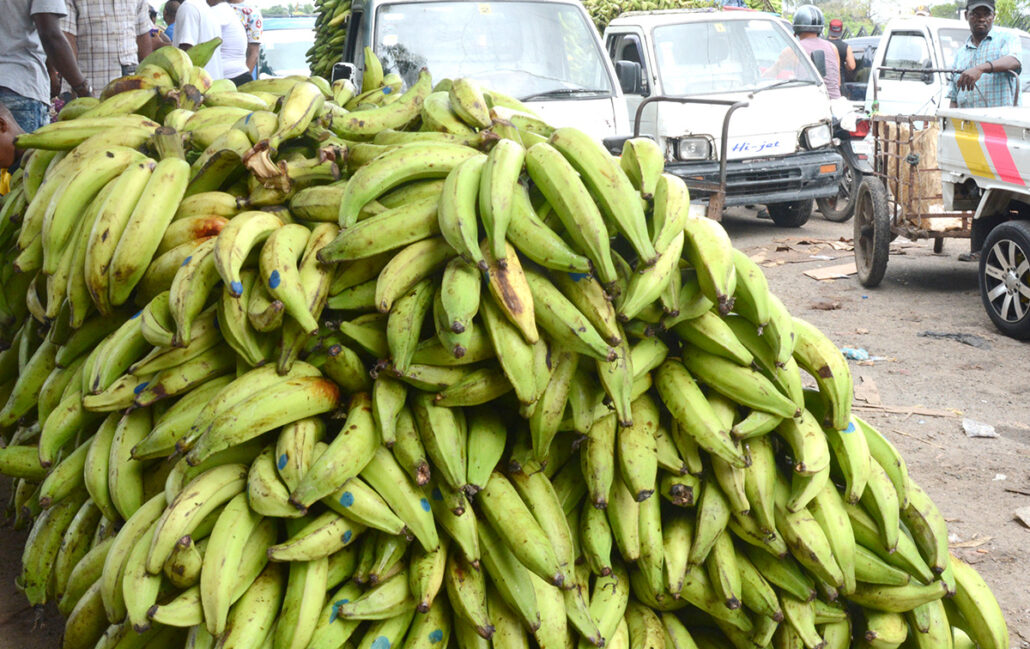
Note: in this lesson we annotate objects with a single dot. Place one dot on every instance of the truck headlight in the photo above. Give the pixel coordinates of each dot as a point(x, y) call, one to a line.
point(817, 136)
point(694, 148)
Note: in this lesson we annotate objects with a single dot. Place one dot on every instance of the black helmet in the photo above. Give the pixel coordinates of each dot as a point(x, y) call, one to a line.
point(808, 18)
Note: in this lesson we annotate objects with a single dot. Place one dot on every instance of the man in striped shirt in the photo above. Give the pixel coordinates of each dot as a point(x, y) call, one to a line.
point(109, 36)
point(986, 60)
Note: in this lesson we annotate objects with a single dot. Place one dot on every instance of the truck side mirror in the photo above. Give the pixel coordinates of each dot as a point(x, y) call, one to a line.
point(927, 77)
point(342, 70)
point(819, 58)
point(629, 77)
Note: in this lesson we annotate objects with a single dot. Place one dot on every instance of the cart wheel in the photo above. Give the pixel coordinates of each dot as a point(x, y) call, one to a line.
point(938, 245)
point(841, 207)
point(1005, 278)
point(872, 231)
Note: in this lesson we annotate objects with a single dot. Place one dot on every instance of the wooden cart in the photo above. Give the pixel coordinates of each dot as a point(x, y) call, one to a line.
point(903, 194)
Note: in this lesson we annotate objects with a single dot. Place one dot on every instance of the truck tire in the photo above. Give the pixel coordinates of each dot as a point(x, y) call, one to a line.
point(791, 215)
point(872, 231)
point(1004, 278)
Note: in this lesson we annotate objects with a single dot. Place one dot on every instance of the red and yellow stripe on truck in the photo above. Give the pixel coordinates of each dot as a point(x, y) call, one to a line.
point(990, 150)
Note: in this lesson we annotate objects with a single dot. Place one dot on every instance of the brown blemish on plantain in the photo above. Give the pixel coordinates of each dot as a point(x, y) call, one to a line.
point(330, 389)
point(508, 294)
point(422, 474)
point(208, 227)
point(825, 372)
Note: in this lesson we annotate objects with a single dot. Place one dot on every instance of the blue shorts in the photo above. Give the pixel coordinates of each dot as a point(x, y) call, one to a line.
point(29, 113)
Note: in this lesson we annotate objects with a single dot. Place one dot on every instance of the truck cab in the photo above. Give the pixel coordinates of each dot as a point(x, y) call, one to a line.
point(545, 53)
point(689, 72)
point(921, 42)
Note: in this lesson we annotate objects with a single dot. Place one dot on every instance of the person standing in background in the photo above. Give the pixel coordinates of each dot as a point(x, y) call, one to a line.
point(195, 23)
point(109, 37)
point(168, 13)
point(30, 35)
point(158, 38)
point(986, 59)
point(844, 52)
point(9, 154)
point(252, 22)
point(234, 42)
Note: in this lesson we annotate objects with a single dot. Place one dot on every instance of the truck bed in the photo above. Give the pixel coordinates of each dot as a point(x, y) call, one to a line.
point(990, 145)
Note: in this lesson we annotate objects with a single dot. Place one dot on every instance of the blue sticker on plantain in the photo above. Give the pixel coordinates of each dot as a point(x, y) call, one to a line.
point(336, 609)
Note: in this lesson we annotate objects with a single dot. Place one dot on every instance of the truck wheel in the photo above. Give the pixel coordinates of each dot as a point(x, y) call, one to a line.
point(1005, 278)
point(872, 231)
point(791, 215)
point(841, 207)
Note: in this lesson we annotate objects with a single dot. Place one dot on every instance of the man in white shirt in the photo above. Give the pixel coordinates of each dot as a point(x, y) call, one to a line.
point(195, 23)
point(234, 42)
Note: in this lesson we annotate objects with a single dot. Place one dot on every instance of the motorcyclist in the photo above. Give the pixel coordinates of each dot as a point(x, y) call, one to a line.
point(808, 26)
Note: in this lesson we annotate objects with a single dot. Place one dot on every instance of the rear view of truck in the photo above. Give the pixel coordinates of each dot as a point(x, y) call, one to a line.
point(984, 155)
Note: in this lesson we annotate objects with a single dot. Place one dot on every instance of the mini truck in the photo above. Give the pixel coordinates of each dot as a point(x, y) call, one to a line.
point(546, 53)
point(738, 107)
point(982, 157)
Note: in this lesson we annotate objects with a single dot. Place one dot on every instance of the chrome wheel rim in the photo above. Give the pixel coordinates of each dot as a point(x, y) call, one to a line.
point(1007, 280)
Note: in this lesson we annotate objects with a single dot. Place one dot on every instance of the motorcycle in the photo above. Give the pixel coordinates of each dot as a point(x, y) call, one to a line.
point(849, 131)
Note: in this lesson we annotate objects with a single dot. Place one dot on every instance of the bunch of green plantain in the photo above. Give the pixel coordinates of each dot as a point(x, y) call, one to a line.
point(330, 32)
point(603, 12)
point(379, 367)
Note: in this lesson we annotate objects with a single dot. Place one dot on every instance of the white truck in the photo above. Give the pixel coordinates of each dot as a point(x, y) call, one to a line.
point(979, 162)
point(915, 43)
point(546, 53)
point(737, 127)
point(984, 157)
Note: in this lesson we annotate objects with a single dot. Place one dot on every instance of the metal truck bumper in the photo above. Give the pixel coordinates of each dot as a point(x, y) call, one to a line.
point(799, 176)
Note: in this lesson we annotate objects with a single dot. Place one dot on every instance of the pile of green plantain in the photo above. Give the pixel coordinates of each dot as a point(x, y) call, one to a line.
point(298, 365)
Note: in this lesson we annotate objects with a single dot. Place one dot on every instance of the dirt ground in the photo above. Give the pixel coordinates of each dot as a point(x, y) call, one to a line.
point(916, 391)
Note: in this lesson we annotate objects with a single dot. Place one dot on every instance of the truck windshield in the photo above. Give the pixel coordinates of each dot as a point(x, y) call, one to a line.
point(524, 49)
point(728, 56)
